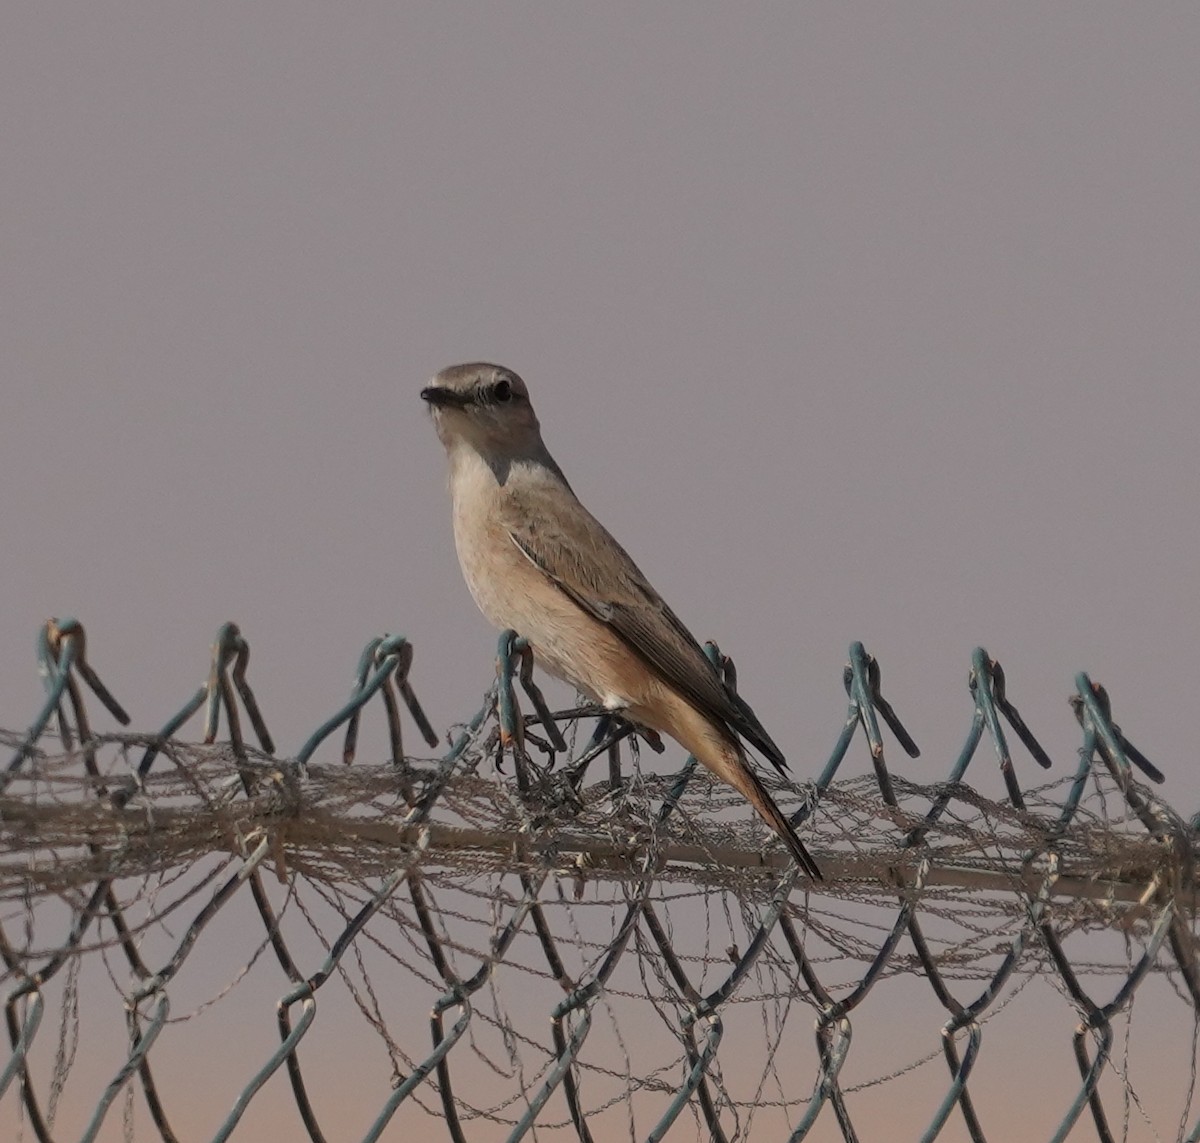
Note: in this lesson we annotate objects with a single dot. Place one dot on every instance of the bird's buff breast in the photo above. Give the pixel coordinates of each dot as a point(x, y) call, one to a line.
point(513, 593)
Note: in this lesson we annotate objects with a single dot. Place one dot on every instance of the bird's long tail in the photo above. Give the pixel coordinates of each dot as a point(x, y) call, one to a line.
point(720, 751)
point(756, 794)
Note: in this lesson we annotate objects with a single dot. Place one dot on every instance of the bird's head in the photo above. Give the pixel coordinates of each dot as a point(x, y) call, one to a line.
point(486, 408)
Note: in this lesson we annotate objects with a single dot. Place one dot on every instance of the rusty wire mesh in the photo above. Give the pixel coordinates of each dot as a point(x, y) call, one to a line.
point(207, 941)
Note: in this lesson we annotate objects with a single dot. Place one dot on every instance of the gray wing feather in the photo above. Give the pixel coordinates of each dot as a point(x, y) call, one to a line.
point(635, 611)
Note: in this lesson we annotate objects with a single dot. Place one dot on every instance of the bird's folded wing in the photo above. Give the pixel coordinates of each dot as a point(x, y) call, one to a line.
point(597, 574)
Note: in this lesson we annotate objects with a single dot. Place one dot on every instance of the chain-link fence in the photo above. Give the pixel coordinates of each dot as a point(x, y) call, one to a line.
point(530, 937)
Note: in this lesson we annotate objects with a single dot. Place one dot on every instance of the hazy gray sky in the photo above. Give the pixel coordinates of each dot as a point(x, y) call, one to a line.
point(868, 322)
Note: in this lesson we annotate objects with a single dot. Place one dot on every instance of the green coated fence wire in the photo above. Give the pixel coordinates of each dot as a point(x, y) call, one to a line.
point(523, 947)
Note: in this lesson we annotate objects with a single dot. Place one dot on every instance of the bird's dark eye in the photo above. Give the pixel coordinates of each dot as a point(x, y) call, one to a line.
point(502, 391)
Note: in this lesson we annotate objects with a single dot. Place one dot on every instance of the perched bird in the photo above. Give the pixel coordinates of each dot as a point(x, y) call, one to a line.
point(537, 561)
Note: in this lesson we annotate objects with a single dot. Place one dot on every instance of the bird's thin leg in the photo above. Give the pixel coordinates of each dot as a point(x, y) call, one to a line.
point(610, 729)
point(597, 745)
point(614, 763)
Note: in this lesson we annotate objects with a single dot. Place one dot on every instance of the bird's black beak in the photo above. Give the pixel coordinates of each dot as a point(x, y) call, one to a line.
point(441, 398)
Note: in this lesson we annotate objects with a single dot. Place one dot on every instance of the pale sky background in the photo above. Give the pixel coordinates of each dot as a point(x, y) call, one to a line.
point(870, 322)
